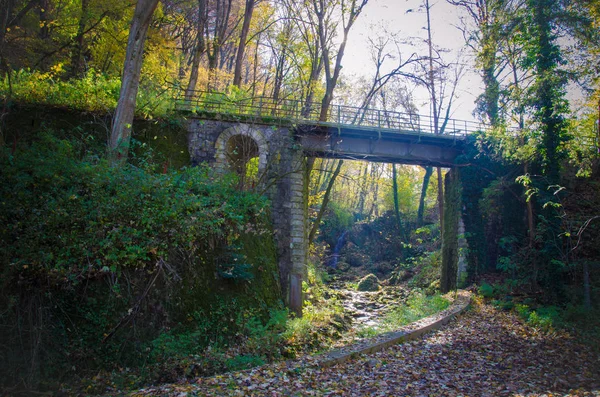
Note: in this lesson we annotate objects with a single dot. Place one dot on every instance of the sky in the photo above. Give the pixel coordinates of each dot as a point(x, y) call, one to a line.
point(394, 15)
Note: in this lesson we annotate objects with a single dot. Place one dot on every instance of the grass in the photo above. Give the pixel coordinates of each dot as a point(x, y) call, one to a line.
point(417, 306)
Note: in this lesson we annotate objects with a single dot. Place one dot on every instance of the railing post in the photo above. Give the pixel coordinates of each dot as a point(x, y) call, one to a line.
point(378, 118)
point(339, 114)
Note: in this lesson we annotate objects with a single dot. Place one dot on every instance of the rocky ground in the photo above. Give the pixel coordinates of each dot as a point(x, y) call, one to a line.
point(485, 352)
point(367, 308)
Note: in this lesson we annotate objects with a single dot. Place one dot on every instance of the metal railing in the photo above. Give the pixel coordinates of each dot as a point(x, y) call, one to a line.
point(270, 111)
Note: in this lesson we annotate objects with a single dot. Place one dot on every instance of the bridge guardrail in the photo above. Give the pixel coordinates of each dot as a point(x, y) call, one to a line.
point(271, 110)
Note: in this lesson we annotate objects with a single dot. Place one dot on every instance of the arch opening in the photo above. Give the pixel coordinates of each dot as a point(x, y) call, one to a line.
point(242, 153)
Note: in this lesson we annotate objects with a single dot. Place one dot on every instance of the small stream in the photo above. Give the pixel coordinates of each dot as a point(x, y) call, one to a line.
point(364, 310)
point(335, 256)
point(368, 308)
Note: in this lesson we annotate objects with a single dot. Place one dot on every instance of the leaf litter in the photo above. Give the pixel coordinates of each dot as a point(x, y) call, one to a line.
point(484, 352)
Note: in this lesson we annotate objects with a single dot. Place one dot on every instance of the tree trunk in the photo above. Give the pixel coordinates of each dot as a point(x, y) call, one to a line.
point(450, 234)
point(328, 172)
point(396, 204)
point(315, 227)
point(200, 49)
point(44, 15)
point(548, 91)
point(436, 116)
point(317, 184)
point(587, 300)
point(421, 210)
point(331, 77)
point(278, 82)
point(221, 21)
point(255, 66)
point(120, 136)
point(362, 194)
point(373, 188)
point(316, 69)
point(77, 65)
point(531, 234)
point(440, 198)
point(239, 59)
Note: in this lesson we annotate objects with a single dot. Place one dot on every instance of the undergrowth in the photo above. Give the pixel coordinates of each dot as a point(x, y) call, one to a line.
point(126, 273)
point(417, 306)
point(575, 318)
point(96, 92)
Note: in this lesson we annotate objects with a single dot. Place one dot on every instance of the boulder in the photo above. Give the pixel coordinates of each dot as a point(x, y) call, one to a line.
point(368, 283)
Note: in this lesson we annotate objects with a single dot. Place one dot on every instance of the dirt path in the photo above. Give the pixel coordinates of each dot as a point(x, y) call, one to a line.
point(484, 352)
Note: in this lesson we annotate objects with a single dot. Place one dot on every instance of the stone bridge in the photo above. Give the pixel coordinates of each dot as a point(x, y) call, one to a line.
point(272, 153)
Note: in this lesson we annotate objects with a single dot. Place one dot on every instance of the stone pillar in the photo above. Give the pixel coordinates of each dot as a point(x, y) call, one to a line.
point(298, 229)
point(452, 211)
point(288, 196)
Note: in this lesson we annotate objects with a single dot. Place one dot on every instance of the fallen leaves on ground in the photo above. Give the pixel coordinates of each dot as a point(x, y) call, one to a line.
point(485, 352)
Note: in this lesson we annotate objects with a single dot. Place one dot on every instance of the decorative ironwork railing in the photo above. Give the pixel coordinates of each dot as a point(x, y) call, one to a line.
point(269, 110)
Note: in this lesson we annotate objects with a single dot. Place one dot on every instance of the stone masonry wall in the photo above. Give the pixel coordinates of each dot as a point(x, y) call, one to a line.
point(283, 168)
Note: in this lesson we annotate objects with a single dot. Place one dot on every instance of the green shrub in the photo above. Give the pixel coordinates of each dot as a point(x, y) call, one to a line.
point(486, 290)
point(95, 92)
point(523, 311)
point(244, 362)
point(541, 322)
point(545, 318)
point(115, 267)
point(428, 270)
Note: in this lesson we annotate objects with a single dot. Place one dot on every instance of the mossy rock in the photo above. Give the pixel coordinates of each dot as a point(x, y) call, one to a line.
point(368, 283)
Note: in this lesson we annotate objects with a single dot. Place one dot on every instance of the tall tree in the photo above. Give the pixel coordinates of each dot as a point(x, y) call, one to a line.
point(437, 84)
point(199, 49)
point(381, 56)
point(308, 57)
point(77, 65)
point(548, 90)
point(424, 186)
point(219, 32)
point(326, 197)
point(239, 60)
point(11, 14)
point(120, 136)
point(349, 11)
point(396, 203)
point(488, 17)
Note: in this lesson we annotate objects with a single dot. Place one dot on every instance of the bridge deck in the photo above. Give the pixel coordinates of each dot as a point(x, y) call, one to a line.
point(291, 112)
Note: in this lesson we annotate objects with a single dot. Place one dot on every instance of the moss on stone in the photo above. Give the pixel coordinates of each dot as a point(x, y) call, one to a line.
point(368, 283)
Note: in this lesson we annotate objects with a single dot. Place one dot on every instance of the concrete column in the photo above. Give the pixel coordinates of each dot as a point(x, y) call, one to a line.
point(452, 210)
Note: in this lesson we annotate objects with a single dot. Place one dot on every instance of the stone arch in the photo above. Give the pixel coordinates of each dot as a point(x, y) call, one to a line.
point(236, 145)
